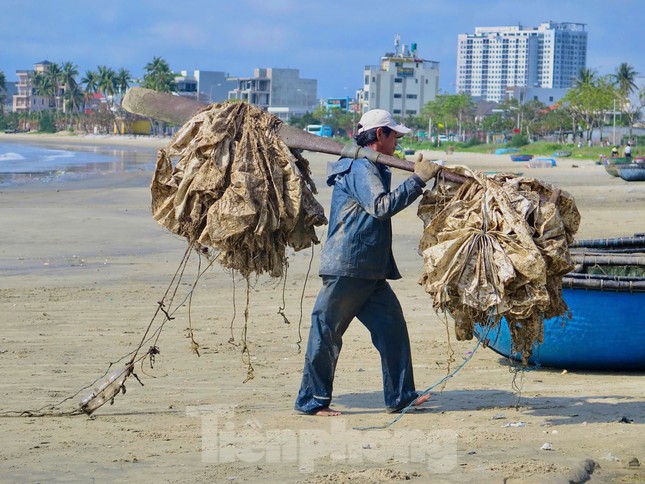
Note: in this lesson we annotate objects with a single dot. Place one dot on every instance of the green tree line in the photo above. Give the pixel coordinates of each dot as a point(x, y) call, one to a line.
point(584, 108)
point(69, 97)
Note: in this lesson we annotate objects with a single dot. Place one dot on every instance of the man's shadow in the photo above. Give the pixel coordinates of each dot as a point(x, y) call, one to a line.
point(559, 410)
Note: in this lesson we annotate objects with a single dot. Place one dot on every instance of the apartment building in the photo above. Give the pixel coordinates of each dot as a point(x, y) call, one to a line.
point(279, 91)
point(401, 84)
point(206, 86)
point(494, 59)
point(25, 100)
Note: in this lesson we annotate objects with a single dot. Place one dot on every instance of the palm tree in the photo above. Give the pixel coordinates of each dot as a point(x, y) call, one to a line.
point(91, 81)
point(158, 76)
point(73, 98)
point(625, 81)
point(625, 78)
point(123, 79)
point(43, 86)
point(54, 73)
point(68, 80)
point(585, 77)
point(107, 82)
point(3, 91)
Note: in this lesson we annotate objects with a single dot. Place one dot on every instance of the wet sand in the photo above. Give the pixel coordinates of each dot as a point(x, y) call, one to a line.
point(84, 264)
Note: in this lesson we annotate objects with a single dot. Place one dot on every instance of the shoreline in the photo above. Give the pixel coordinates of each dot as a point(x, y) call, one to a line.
point(86, 139)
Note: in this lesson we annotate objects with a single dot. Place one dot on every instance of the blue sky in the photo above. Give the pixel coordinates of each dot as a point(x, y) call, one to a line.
point(331, 41)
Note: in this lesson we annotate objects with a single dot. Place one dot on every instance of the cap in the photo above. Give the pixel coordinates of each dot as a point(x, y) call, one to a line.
point(378, 118)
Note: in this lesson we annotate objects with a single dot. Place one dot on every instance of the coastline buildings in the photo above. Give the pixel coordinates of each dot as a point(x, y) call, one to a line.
point(494, 59)
point(26, 100)
point(279, 91)
point(401, 84)
point(206, 86)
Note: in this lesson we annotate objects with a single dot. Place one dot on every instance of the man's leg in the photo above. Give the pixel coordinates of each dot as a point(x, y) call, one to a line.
point(338, 302)
point(383, 317)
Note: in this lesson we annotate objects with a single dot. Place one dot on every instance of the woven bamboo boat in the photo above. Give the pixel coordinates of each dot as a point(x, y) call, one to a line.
point(606, 296)
point(632, 171)
point(611, 164)
point(521, 157)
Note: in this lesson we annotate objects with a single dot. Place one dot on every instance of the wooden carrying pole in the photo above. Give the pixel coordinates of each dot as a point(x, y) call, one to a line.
point(179, 109)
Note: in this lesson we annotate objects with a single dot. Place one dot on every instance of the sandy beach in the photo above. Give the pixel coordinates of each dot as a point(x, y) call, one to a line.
point(84, 264)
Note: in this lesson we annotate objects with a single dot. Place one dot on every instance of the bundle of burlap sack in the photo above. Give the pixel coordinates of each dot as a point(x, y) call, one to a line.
point(497, 247)
point(236, 187)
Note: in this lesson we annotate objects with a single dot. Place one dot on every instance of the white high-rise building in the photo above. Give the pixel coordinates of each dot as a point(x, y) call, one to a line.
point(496, 58)
point(401, 84)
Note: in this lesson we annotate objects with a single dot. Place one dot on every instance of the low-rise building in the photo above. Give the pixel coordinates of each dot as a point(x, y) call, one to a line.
point(26, 100)
point(207, 86)
point(279, 91)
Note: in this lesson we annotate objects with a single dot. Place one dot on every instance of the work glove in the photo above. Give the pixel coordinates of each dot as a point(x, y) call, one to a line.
point(425, 169)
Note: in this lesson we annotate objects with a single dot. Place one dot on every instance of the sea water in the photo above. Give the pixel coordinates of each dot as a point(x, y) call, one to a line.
point(42, 163)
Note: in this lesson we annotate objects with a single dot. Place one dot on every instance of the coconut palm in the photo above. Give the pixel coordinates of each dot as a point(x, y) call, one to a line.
point(43, 85)
point(68, 73)
point(73, 98)
point(107, 82)
point(625, 82)
point(585, 77)
point(123, 79)
point(625, 78)
point(91, 81)
point(3, 91)
point(158, 76)
point(54, 74)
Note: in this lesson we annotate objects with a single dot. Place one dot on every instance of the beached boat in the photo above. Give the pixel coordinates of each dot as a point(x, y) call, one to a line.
point(562, 154)
point(505, 151)
point(631, 171)
point(611, 164)
point(521, 157)
point(606, 297)
point(542, 163)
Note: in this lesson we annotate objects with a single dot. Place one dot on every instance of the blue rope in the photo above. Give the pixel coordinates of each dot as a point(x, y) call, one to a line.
point(427, 390)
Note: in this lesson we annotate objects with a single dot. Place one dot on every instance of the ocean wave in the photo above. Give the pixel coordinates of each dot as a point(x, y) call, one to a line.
point(11, 156)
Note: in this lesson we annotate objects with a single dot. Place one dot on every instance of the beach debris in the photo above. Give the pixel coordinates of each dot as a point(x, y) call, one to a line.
point(633, 462)
point(498, 416)
point(515, 424)
point(546, 446)
point(611, 457)
point(237, 188)
point(109, 387)
point(497, 247)
point(626, 420)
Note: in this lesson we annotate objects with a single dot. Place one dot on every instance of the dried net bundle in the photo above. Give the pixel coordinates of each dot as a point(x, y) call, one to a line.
point(238, 188)
point(497, 247)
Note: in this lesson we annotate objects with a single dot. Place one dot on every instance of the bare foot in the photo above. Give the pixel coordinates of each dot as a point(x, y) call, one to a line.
point(326, 412)
point(421, 399)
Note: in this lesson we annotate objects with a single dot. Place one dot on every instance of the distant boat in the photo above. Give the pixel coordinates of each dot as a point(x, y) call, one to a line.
point(611, 164)
point(521, 157)
point(542, 163)
point(631, 171)
point(606, 297)
point(505, 151)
